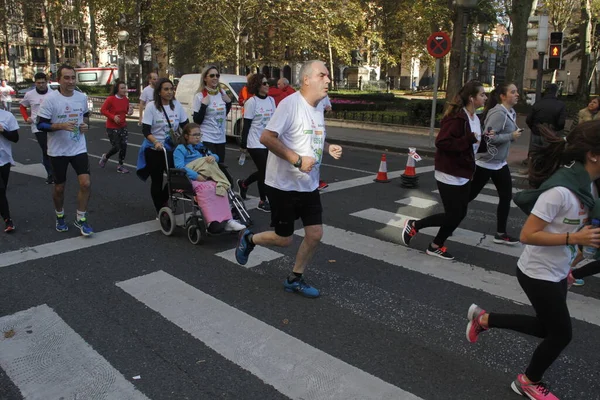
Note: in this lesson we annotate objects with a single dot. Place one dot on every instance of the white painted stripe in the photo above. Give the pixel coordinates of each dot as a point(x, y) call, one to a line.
point(366, 180)
point(291, 366)
point(259, 255)
point(495, 283)
point(46, 359)
point(36, 170)
point(491, 186)
point(484, 198)
point(113, 161)
point(464, 236)
point(417, 202)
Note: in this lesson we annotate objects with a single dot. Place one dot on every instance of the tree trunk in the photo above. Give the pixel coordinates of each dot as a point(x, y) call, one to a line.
point(93, 39)
point(454, 82)
point(519, 15)
point(330, 51)
point(585, 35)
point(50, 29)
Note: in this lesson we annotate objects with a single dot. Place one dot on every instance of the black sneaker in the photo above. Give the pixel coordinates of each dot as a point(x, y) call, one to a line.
point(505, 239)
point(264, 206)
point(9, 225)
point(408, 232)
point(440, 252)
point(242, 190)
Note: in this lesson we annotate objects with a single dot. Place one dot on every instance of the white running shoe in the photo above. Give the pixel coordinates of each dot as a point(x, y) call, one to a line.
point(234, 226)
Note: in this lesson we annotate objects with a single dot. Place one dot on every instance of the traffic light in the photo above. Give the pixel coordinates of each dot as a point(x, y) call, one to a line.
point(555, 50)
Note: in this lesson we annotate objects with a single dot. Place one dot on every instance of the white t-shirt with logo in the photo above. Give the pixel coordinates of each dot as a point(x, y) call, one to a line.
point(60, 109)
point(9, 123)
point(301, 128)
point(158, 123)
point(459, 180)
point(215, 120)
point(323, 104)
point(147, 94)
point(34, 100)
point(564, 213)
point(260, 112)
point(5, 93)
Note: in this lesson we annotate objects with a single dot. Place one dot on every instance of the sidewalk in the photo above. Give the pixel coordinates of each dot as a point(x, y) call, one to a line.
point(400, 140)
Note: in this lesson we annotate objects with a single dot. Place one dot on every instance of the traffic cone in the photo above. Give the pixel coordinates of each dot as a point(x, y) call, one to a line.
point(409, 178)
point(382, 174)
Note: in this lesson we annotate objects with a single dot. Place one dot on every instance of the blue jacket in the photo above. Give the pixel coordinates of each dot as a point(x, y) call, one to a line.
point(142, 172)
point(185, 154)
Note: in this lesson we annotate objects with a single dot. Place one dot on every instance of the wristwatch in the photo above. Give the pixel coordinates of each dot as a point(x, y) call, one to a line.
point(298, 164)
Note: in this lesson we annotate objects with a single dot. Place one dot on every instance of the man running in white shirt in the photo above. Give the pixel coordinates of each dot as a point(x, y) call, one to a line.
point(6, 93)
point(295, 137)
point(147, 94)
point(61, 115)
point(33, 100)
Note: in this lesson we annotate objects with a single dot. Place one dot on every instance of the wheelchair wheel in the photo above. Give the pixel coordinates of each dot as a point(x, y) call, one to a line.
point(194, 234)
point(166, 218)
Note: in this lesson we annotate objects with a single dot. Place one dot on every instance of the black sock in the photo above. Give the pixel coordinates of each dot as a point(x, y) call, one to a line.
point(250, 236)
point(294, 277)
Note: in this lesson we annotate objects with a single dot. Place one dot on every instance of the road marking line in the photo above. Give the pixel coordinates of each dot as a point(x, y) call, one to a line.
point(419, 202)
point(291, 366)
point(47, 359)
point(36, 170)
point(490, 282)
point(491, 186)
point(484, 198)
point(464, 236)
point(259, 255)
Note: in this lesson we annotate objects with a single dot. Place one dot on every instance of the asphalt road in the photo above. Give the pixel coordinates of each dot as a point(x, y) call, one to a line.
point(390, 322)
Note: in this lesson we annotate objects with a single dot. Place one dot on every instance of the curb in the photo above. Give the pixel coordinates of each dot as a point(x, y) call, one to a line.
point(374, 146)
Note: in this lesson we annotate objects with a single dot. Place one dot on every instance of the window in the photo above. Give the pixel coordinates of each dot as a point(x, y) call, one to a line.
point(532, 83)
point(19, 51)
point(38, 54)
point(36, 33)
point(69, 52)
point(84, 77)
point(535, 64)
point(70, 36)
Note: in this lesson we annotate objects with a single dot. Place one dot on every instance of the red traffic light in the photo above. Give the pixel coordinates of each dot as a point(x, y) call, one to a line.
point(555, 51)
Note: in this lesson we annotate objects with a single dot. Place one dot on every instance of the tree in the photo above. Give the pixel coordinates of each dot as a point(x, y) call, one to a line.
point(519, 15)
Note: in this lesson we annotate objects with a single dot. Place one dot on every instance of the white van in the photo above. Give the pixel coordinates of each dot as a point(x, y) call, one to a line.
point(187, 88)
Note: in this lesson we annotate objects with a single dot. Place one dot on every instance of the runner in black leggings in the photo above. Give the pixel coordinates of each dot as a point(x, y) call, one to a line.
point(257, 113)
point(550, 233)
point(501, 126)
point(9, 133)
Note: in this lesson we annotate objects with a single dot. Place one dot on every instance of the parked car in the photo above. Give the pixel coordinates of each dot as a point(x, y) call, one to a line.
point(187, 88)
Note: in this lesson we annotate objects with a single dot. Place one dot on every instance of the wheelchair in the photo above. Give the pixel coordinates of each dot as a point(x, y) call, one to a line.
point(181, 192)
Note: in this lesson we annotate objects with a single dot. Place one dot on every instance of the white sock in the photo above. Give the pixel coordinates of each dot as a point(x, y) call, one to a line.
point(80, 215)
point(60, 214)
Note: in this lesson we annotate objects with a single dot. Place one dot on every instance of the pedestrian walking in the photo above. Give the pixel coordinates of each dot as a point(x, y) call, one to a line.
point(456, 145)
point(548, 112)
point(558, 209)
point(6, 94)
point(116, 107)
point(258, 111)
point(34, 100)
point(147, 94)
point(295, 137)
point(501, 126)
point(9, 134)
point(163, 117)
point(62, 117)
point(211, 106)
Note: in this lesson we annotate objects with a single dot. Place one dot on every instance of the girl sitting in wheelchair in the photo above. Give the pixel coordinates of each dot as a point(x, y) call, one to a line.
point(211, 195)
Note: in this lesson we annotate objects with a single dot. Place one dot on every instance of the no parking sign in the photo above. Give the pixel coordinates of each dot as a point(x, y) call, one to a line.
point(438, 44)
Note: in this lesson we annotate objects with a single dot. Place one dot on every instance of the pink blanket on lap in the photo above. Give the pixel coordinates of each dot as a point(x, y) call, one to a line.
point(214, 208)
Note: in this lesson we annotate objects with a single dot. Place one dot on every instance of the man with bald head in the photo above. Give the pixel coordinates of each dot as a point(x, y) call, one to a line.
point(295, 137)
point(282, 90)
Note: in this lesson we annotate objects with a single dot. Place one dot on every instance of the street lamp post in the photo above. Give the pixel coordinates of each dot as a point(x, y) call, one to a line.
point(568, 76)
point(12, 57)
point(483, 29)
point(244, 40)
point(123, 36)
point(465, 7)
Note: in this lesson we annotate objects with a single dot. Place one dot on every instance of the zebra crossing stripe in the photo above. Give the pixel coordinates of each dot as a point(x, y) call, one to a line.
point(46, 359)
point(259, 255)
point(490, 186)
point(464, 236)
point(291, 366)
point(495, 283)
point(485, 198)
point(418, 202)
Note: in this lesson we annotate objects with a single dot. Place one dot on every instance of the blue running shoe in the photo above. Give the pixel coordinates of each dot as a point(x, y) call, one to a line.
point(84, 227)
point(61, 225)
point(578, 282)
point(244, 247)
point(300, 286)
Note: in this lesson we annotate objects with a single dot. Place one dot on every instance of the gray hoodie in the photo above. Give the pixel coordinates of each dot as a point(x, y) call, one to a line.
point(503, 123)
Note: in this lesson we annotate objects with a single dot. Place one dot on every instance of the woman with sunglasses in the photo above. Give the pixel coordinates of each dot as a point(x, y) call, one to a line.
point(211, 106)
point(162, 118)
point(258, 110)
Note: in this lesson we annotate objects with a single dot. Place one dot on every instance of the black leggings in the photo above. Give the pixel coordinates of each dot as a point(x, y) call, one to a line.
point(259, 157)
point(503, 182)
point(552, 322)
point(455, 200)
point(4, 173)
point(218, 149)
point(589, 269)
point(155, 161)
point(118, 141)
point(42, 139)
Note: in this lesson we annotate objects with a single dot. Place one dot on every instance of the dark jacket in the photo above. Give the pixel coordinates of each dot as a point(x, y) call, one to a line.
point(454, 146)
point(550, 111)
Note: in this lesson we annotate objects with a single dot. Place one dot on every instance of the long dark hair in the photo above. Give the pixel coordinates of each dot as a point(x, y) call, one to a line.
point(115, 88)
point(157, 99)
point(470, 89)
point(559, 151)
point(254, 83)
point(494, 98)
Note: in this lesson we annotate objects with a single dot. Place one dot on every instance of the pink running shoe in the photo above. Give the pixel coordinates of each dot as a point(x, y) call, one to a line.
point(474, 328)
point(534, 391)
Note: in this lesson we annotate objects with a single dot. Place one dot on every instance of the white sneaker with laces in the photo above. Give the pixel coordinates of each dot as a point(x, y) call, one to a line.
point(234, 226)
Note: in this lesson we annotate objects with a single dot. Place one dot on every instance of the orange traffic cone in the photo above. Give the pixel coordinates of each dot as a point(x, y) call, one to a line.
point(409, 177)
point(382, 174)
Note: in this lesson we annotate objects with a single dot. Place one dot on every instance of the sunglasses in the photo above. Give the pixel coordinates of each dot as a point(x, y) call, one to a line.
point(265, 83)
point(195, 134)
point(214, 75)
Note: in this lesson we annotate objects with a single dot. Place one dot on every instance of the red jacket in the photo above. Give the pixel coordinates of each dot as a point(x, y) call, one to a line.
point(114, 106)
point(278, 94)
point(454, 146)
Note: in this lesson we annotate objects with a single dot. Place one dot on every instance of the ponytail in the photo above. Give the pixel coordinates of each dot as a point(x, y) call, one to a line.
point(461, 100)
